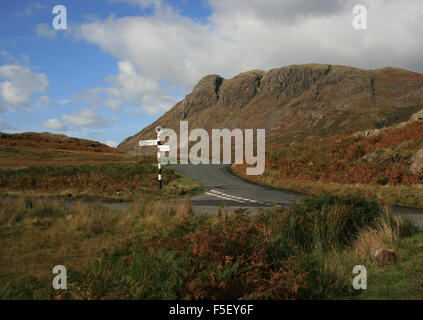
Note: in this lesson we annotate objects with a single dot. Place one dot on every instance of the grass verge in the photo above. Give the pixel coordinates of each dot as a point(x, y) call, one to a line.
point(401, 195)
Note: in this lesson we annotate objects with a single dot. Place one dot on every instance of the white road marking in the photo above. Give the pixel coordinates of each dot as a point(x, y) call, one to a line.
point(230, 197)
point(223, 197)
point(235, 197)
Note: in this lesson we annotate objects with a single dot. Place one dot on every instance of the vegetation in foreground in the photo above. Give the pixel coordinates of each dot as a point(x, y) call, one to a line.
point(160, 250)
point(377, 165)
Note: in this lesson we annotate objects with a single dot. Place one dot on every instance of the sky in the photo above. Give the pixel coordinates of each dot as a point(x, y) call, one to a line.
point(120, 64)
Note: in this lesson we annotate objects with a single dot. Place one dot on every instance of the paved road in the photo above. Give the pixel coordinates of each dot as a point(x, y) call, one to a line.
point(223, 187)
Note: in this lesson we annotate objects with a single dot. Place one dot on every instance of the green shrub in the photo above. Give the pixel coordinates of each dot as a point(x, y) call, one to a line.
point(407, 228)
point(326, 221)
point(135, 274)
point(27, 288)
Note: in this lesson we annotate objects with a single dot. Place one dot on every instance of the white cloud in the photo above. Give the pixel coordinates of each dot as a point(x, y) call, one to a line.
point(111, 144)
point(44, 101)
point(83, 118)
point(54, 124)
point(93, 96)
point(24, 58)
point(142, 3)
point(45, 31)
point(286, 11)
point(242, 35)
point(86, 118)
point(30, 9)
point(7, 58)
point(165, 47)
point(129, 85)
point(63, 102)
point(131, 88)
point(21, 83)
point(113, 104)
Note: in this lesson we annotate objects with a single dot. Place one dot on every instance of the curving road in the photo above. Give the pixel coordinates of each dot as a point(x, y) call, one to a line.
point(221, 186)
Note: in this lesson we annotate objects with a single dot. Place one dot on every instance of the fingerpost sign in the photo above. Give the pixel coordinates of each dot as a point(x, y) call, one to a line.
point(160, 148)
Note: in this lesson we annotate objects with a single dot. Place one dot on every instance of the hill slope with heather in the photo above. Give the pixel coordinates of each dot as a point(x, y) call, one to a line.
point(296, 103)
point(53, 141)
point(386, 163)
point(57, 166)
point(23, 150)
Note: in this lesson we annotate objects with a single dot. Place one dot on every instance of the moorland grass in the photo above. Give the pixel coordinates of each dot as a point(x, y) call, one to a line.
point(124, 181)
point(161, 250)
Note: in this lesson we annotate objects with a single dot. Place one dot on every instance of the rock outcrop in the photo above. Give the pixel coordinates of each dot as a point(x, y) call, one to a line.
point(418, 116)
point(296, 103)
point(417, 161)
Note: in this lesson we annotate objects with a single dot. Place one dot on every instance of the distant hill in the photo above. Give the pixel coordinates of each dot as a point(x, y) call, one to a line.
point(296, 103)
point(53, 141)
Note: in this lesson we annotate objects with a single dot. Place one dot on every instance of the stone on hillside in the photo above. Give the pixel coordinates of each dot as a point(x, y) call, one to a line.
point(417, 116)
point(384, 256)
point(381, 155)
point(371, 133)
point(417, 161)
point(401, 125)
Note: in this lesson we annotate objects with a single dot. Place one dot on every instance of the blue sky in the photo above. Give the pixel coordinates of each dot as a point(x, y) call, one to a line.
point(70, 64)
point(120, 64)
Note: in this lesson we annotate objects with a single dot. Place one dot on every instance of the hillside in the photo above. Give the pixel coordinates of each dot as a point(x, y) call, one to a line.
point(53, 141)
point(23, 150)
point(58, 166)
point(296, 103)
point(385, 163)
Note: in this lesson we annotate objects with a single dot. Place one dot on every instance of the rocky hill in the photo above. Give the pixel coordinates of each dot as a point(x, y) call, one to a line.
point(296, 103)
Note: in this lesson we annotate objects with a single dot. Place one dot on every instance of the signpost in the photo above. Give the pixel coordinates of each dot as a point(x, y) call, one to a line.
point(146, 143)
point(164, 148)
point(160, 148)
